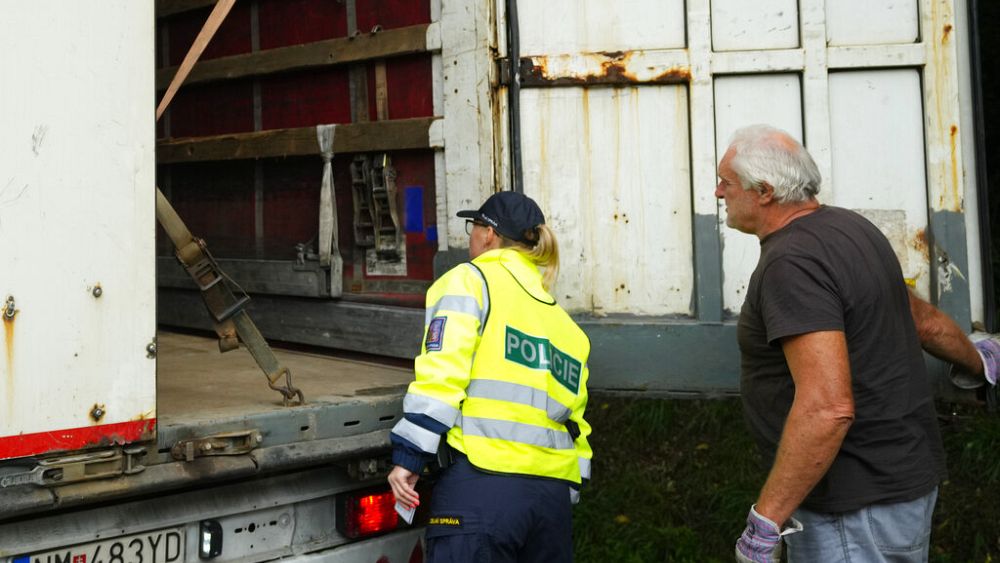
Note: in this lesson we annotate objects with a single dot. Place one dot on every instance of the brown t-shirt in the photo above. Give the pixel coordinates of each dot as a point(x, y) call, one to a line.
point(833, 270)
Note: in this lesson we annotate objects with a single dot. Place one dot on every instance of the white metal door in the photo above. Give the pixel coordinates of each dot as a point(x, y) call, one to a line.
point(627, 107)
point(76, 225)
point(624, 158)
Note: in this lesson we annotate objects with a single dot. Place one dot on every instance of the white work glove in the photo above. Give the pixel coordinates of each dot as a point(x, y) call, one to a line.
point(988, 346)
point(761, 540)
point(574, 496)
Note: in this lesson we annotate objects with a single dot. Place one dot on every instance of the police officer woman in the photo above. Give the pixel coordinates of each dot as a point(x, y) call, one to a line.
point(503, 375)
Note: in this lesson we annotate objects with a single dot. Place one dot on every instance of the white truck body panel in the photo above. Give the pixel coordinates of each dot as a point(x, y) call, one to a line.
point(76, 221)
point(872, 89)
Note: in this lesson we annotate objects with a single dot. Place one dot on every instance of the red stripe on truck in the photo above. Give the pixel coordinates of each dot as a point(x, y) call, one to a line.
point(77, 438)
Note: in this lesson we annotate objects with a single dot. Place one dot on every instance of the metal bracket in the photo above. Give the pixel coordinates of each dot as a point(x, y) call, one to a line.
point(388, 234)
point(504, 71)
point(364, 225)
point(230, 443)
point(77, 468)
point(369, 468)
point(223, 301)
point(376, 219)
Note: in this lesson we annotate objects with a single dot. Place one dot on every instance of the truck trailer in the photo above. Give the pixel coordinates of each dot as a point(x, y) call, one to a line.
point(321, 149)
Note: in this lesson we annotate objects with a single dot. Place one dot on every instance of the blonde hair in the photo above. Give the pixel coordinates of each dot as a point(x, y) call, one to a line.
point(544, 254)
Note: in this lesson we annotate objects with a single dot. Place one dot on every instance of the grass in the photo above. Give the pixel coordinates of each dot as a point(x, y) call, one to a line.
point(673, 480)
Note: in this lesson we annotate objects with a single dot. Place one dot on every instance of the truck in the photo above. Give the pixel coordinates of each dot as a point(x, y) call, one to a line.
point(318, 151)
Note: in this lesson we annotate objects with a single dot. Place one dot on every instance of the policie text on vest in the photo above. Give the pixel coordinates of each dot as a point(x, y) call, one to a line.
point(538, 353)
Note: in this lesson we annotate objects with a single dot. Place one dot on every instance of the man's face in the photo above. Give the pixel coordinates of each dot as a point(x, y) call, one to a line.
point(742, 206)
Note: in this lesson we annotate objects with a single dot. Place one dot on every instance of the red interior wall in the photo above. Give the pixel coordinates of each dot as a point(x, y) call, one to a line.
point(391, 13)
point(291, 22)
point(217, 199)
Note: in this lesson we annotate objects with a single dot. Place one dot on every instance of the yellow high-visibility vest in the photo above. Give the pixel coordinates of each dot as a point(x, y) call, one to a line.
point(505, 368)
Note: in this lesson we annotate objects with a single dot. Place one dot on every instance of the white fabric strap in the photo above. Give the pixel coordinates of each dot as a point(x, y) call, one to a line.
point(329, 253)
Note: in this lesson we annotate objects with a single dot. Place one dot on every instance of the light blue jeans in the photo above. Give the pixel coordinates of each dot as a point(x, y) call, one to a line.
point(878, 533)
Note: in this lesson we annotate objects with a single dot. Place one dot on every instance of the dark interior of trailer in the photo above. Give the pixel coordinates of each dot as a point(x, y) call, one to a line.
point(986, 71)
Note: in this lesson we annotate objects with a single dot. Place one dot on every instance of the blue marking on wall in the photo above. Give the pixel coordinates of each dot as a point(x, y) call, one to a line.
point(432, 233)
point(414, 198)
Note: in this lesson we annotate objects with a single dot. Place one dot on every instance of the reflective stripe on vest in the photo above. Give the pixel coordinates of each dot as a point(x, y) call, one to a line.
point(516, 432)
point(457, 303)
point(418, 435)
point(521, 394)
point(584, 467)
point(434, 408)
point(463, 303)
point(485, 312)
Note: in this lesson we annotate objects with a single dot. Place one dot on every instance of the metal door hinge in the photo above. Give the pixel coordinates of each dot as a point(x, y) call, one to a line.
point(230, 443)
point(76, 468)
point(505, 73)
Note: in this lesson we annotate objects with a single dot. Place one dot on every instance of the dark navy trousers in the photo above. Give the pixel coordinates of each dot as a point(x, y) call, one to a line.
point(479, 517)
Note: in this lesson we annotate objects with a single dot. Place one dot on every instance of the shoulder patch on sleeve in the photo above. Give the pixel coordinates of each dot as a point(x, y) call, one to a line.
point(435, 334)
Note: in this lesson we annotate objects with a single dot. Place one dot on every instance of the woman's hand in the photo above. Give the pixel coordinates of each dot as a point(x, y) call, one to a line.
point(402, 481)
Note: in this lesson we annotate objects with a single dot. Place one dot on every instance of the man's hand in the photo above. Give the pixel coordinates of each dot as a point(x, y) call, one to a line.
point(761, 540)
point(402, 481)
point(989, 351)
point(987, 346)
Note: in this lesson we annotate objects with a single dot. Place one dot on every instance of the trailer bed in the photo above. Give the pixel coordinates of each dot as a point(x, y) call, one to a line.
point(196, 384)
point(202, 392)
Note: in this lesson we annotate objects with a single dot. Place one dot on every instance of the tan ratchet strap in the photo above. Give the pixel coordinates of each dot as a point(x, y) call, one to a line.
point(224, 299)
point(215, 19)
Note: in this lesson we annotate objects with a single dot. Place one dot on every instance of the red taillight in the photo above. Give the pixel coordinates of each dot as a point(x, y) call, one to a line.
point(365, 514)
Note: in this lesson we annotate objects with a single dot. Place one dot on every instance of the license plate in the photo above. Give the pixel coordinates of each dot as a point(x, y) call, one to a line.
point(160, 546)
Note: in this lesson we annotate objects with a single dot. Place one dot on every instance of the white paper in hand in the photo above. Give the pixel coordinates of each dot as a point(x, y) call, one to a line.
point(405, 513)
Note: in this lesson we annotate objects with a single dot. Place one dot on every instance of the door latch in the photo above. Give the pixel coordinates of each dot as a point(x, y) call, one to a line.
point(76, 468)
point(231, 443)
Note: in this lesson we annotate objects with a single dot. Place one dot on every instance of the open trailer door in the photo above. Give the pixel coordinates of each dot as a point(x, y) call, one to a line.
point(77, 266)
point(624, 114)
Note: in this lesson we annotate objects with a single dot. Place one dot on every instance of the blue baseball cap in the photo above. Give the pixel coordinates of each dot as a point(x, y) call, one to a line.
point(509, 213)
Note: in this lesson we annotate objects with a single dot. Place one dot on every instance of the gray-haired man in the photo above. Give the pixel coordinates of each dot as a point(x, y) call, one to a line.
point(833, 381)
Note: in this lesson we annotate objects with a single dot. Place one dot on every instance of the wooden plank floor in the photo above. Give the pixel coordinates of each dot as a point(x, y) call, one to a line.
point(194, 382)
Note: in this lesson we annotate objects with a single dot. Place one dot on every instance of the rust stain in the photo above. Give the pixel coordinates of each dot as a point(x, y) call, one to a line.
point(97, 412)
point(919, 243)
point(8, 329)
point(940, 66)
point(612, 68)
point(954, 166)
point(673, 75)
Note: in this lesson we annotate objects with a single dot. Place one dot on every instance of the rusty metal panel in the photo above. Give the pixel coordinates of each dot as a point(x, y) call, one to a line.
point(592, 26)
point(764, 24)
point(611, 167)
point(863, 22)
point(775, 99)
point(615, 68)
point(76, 225)
point(877, 140)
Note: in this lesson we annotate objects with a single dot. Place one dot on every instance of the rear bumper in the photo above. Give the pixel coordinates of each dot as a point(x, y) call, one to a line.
point(396, 547)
